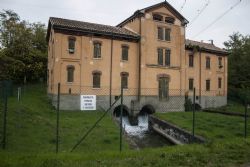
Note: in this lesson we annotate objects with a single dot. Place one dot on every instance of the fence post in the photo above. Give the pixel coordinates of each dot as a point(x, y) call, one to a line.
point(19, 94)
point(57, 117)
point(121, 113)
point(193, 112)
point(246, 119)
point(5, 114)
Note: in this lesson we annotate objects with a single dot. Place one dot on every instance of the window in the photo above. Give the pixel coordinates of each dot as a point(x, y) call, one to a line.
point(125, 53)
point(220, 62)
point(219, 82)
point(71, 45)
point(163, 88)
point(167, 34)
point(70, 73)
point(96, 79)
point(160, 57)
point(160, 33)
point(169, 20)
point(157, 17)
point(191, 60)
point(124, 80)
point(208, 85)
point(167, 57)
point(97, 50)
point(207, 63)
point(164, 34)
point(191, 84)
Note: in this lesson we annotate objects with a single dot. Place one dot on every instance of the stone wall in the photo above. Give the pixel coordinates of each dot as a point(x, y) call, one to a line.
point(173, 132)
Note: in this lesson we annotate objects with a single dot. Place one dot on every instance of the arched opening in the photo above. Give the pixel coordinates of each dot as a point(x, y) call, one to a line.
point(117, 111)
point(147, 109)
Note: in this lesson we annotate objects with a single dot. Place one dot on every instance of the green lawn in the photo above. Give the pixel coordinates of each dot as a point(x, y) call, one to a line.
point(209, 125)
point(232, 107)
point(31, 126)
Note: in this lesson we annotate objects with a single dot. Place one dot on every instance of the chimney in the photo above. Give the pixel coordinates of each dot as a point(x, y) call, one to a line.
point(212, 41)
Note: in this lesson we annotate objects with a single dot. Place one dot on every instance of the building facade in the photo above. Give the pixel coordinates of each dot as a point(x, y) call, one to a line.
point(147, 54)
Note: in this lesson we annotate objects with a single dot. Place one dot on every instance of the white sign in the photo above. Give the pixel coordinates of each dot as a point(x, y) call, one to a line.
point(88, 102)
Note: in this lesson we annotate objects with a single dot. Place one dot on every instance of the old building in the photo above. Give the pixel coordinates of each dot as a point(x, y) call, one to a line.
point(148, 53)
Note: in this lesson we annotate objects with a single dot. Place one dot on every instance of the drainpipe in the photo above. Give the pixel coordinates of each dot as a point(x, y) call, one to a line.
point(139, 78)
point(200, 77)
point(110, 75)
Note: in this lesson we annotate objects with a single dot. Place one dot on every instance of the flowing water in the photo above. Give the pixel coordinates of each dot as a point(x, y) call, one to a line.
point(141, 135)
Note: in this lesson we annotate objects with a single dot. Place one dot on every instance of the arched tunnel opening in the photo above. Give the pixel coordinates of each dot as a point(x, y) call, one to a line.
point(117, 111)
point(147, 110)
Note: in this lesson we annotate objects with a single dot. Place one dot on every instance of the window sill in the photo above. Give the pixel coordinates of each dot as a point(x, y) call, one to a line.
point(160, 40)
point(97, 58)
point(163, 22)
point(162, 66)
point(124, 61)
point(70, 83)
point(96, 88)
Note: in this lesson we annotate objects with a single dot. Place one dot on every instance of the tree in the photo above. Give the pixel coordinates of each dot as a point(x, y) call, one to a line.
point(238, 62)
point(23, 51)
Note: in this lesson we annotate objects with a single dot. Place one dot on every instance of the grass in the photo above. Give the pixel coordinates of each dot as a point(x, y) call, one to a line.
point(232, 107)
point(31, 126)
point(230, 153)
point(209, 125)
point(31, 139)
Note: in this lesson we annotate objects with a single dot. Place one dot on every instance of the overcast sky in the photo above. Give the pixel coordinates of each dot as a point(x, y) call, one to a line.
point(112, 12)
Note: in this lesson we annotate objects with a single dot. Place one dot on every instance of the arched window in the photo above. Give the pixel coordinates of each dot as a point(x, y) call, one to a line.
point(124, 79)
point(96, 79)
point(163, 82)
point(70, 73)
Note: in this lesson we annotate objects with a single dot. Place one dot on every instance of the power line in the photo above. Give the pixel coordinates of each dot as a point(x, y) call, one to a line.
point(218, 18)
point(200, 12)
point(182, 6)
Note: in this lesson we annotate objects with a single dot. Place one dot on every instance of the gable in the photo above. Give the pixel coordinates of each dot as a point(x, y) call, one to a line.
point(164, 6)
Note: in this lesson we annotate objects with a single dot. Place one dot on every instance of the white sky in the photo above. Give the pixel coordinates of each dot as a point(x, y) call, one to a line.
point(112, 12)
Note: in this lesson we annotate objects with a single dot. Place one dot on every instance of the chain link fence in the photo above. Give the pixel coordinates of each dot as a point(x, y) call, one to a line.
point(69, 100)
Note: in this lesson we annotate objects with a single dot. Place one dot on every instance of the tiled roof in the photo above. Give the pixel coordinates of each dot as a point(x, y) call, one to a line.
point(74, 25)
point(205, 46)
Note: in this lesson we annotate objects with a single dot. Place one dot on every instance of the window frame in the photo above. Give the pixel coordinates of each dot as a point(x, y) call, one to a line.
point(124, 83)
point(191, 86)
point(220, 64)
point(160, 88)
point(160, 57)
point(208, 63)
point(160, 17)
point(70, 74)
point(96, 77)
point(71, 44)
point(167, 57)
point(191, 60)
point(208, 84)
point(97, 50)
point(169, 20)
point(219, 82)
point(164, 33)
point(125, 50)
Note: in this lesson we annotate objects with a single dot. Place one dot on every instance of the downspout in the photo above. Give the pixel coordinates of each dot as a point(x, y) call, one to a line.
point(200, 77)
point(139, 78)
point(110, 75)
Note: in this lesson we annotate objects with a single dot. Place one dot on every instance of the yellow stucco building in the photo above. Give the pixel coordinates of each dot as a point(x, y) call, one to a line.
point(148, 53)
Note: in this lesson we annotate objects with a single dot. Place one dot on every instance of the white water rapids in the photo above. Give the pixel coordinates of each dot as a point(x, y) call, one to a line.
point(138, 130)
